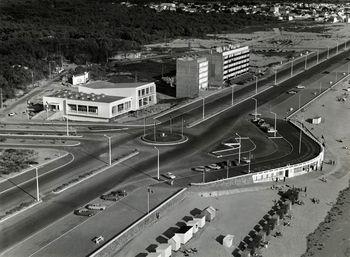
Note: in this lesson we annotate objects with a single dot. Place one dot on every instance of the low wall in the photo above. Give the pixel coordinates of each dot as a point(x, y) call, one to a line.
point(117, 242)
point(273, 174)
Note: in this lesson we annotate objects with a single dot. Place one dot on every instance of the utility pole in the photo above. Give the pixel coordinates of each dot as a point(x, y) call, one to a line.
point(275, 77)
point(157, 161)
point(275, 132)
point(109, 150)
point(256, 85)
point(239, 148)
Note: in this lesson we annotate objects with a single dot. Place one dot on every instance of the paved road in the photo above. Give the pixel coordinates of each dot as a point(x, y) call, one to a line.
point(200, 138)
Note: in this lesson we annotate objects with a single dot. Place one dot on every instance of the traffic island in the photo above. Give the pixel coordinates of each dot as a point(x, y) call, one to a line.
point(164, 138)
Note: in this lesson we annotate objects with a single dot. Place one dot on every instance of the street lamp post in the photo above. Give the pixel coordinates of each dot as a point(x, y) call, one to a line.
point(291, 67)
point(299, 102)
point(239, 148)
point(154, 131)
point(249, 162)
point(227, 169)
point(328, 53)
point(275, 132)
point(37, 183)
point(256, 108)
point(256, 85)
point(275, 77)
point(306, 61)
point(203, 108)
point(318, 53)
point(67, 118)
point(157, 161)
point(109, 150)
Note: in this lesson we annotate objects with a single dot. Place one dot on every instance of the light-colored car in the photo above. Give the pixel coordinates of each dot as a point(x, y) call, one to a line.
point(96, 207)
point(214, 166)
point(169, 175)
point(300, 86)
point(292, 92)
point(12, 114)
point(200, 168)
point(245, 160)
point(98, 239)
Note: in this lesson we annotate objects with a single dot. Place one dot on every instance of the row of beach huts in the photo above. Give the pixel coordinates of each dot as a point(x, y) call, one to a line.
point(184, 233)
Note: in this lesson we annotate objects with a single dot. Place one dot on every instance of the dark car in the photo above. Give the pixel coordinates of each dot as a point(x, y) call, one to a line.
point(110, 197)
point(121, 193)
point(84, 212)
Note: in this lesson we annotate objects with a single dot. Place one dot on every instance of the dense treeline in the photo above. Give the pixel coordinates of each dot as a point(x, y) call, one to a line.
point(35, 32)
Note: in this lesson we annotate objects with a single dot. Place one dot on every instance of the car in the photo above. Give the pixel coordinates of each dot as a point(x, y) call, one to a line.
point(200, 168)
point(12, 114)
point(245, 160)
point(98, 239)
point(96, 207)
point(84, 212)
point(300, 86)
point(110, 197)
point(169, 175)
point(121, 193)
point(214, 166)
point(292, 92)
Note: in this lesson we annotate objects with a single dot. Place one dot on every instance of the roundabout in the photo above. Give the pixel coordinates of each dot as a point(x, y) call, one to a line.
point(164, 138)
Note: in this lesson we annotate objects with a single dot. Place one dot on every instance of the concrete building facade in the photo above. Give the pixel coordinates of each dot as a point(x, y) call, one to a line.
point(80, 106)
point(80, 79)
point(227, 62)
point(142, 94)
point(191, 76)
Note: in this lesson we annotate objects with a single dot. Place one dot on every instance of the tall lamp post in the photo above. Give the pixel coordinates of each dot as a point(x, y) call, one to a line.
point(256, 108)
point(306, 60)
point(275, 77)
point(37, 183)
point(109, 150)
point(239, 148)
point(291, 67)
point(256, 85)
point(67, 118)
point(275, 132)
point(157, 161)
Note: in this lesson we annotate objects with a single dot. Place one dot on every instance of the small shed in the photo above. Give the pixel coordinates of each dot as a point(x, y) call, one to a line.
point(164, 250)
point(185, 233)
point(154, 255)
point(209, 213)
point(201, 219)
point(175, 242)
point(194, 224)
point(228, 241)
point(316, 120)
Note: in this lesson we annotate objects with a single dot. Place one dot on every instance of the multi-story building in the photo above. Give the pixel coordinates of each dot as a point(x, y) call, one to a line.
point(143, 94)
point(227, 62)
point(191, 76)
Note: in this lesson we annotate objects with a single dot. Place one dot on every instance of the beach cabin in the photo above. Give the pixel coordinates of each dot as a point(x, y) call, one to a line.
point(228, 241)
point(209, 213)
point(164, 250)
point(175, 242)
point(201, 220)
point(194, 224)
point(185, 233)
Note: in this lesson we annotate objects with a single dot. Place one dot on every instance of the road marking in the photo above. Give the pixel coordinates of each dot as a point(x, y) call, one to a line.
point(24, 182)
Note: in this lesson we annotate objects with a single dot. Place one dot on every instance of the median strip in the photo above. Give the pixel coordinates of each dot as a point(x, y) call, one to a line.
point(91, 174)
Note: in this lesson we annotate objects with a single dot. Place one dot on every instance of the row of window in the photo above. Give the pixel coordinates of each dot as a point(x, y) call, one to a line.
point(237, 68)
point(235, 54)
point(246, 56)
point(233, 74)
point(235, 64)
point(121, 108)
point(82, 109)
point(146, 101)
point(146, 91)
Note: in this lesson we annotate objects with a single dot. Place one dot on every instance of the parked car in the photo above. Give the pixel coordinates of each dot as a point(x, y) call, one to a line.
point(98, 239)
point(200, 168)
point(169, 175)
point(292, 92)
point(121, 193)
point(300, 87)
point(12, 114)
point(96, 207)
point(110, 197)
point(214, 166)
point(84, 212)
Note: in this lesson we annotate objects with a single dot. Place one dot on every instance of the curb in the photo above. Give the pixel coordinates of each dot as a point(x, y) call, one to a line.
point(37, 135)
point(96, 173)
point(33, 145)
point(20, 211)
point(183, 140)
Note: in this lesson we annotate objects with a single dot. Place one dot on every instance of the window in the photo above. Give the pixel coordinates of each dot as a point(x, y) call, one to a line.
point(143, 92)
point(82, 108)
point(120, 108)
point(93, 109)
point(114, 109)
point(139, 93)
point(145, 101)
point(72, 107)
point(147, 91)
point(127, 105)
point(152, 89)
point(140, 103)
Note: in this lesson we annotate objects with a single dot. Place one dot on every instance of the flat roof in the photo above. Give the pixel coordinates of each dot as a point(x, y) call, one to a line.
point(105, 84)
point(98, 98)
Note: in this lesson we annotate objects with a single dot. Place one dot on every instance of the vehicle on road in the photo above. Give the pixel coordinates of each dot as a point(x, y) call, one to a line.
point(110, 197)
point(245, 160)
point(98, 239)
point(200, 168)
point(214, 166)
point(84, 212)
point(96, 207)
point(300, 87)
point(169, 175)
point(292, 92)
point(120, 193)
point(12, 114)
